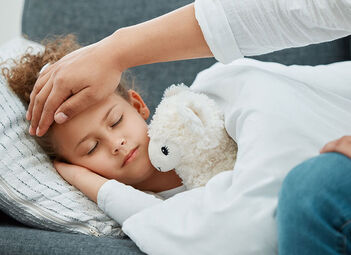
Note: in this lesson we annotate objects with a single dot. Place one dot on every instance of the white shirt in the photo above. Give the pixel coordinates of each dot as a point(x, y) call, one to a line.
point(234, 212)
point(237, 28)
point(121, 201)
point(171, 192)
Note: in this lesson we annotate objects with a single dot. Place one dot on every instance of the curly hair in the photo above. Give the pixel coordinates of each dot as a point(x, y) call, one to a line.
point(22, 75)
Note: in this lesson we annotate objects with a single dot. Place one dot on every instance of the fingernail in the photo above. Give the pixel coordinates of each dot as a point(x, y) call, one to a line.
point(30, 130)
point(37, 132)
point(44, 67)
point(60, 118)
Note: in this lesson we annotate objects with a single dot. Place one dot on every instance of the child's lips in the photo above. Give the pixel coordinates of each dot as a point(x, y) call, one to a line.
point(131, 156)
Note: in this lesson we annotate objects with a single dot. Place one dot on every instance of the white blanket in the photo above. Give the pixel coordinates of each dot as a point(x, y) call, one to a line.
point(279, 116)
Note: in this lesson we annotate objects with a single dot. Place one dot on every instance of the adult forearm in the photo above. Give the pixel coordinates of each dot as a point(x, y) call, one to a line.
point(173, 36)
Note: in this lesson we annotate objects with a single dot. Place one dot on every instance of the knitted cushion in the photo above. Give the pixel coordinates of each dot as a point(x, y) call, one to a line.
point(31, 190)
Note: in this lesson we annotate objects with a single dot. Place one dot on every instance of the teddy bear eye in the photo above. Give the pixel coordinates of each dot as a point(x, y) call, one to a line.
point(164, 150)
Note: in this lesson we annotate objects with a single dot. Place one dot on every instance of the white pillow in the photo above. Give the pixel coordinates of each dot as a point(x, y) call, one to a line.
point(31, 190)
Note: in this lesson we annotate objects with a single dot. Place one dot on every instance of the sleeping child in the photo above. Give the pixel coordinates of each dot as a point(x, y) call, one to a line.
point(110, 138)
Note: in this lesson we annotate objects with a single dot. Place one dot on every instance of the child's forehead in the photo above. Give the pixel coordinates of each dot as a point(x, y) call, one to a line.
point(102, 108)
point(81, 123)
point(113, 99)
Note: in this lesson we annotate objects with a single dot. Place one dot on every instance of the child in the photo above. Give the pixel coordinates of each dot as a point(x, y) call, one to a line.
point(110, 138)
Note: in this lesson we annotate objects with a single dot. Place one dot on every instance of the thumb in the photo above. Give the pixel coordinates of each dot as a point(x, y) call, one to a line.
point(74, 105)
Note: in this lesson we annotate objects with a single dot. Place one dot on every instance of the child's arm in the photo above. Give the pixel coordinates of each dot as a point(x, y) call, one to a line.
point(83, 179)
point(116, 199)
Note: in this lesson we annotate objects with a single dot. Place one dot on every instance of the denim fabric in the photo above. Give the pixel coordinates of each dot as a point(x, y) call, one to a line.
point(314, 209)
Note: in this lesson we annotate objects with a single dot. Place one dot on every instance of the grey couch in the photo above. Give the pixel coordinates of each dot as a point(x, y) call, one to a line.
point(92, 20)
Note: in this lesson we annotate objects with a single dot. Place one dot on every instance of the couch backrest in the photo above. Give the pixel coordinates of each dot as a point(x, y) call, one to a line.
point(315, 54)
point(92, 20)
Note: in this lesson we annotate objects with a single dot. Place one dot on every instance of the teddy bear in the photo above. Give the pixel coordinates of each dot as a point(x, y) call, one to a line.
point(187, 134)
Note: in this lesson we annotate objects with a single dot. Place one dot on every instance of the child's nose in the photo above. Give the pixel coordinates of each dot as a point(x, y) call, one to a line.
point(117, 146)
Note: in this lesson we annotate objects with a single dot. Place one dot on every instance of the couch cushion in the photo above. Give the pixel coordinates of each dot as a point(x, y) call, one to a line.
point(39, 242)
point(314, 54)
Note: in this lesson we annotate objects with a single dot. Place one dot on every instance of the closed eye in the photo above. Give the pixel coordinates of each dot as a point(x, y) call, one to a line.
point(93, 148)
point(117, 122)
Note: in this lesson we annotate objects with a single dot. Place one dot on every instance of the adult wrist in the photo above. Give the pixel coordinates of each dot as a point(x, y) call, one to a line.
point(120, 48)
point(111, 47)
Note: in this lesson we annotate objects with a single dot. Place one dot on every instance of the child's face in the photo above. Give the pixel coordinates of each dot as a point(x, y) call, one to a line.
point(112, 143)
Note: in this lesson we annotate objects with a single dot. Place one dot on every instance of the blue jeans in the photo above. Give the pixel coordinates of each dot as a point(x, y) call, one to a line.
point(314, 209)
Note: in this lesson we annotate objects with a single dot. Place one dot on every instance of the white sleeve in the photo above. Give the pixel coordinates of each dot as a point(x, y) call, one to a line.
point(120, 201)
point(237, 28)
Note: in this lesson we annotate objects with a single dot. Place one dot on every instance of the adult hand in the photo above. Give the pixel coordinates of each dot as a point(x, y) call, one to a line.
point(342, 145)
point(72, 84)
point(82, 178)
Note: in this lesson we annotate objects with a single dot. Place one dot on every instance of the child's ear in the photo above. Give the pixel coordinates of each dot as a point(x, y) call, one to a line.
point(138, 103)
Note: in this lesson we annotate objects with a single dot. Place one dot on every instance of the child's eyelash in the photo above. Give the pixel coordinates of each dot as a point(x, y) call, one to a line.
point(93, 148)
point(120, 119)
point(98, 142)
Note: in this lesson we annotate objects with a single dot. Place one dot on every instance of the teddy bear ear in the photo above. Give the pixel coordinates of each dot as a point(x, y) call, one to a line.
point(191, 119)
point(175, 89)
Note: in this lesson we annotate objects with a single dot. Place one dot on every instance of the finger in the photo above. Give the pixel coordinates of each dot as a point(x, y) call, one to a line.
point(54, 100)
point(47, 117)
point(44, 75)
point(342, 145)
point(39, 102)
point(76, 104)
point(329, 147)
point(45, 70)
point(343, 148)
point(39, 84)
